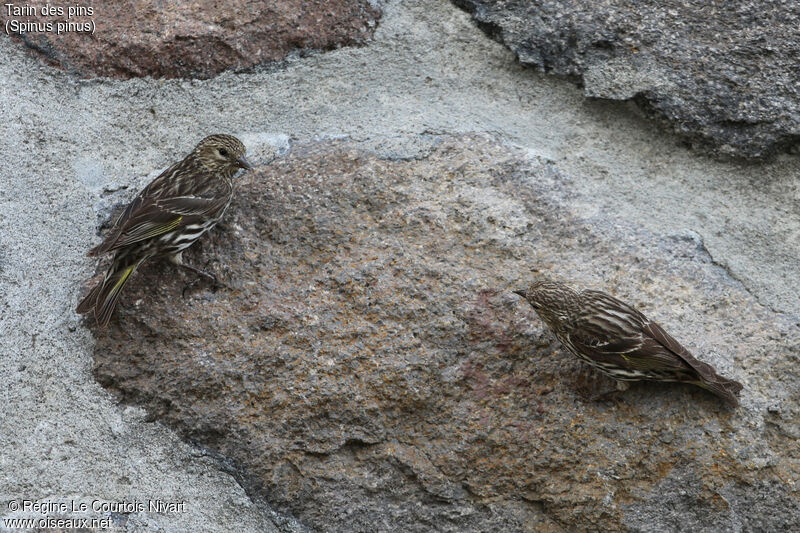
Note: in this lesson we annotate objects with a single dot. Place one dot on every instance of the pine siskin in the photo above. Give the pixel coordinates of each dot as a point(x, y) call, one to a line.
point(620, 341)
point(172, 212)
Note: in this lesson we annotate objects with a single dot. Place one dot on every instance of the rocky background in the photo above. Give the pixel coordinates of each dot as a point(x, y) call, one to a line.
point(367, 367)
point(134, 38)
point(724, 74)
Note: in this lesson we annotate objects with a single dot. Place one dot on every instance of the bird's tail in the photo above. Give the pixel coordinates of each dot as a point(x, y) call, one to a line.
point(103, 297)
point(723, 387)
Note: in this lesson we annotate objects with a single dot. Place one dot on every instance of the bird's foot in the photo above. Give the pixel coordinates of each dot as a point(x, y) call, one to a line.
point(189, 286)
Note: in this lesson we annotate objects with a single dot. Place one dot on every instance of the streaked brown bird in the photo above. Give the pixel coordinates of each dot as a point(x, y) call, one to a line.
point(620, 341)
point(171, 213)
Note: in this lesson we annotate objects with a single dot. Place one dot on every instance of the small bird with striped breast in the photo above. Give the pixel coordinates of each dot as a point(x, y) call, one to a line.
point(168, 216)
point(620, 341)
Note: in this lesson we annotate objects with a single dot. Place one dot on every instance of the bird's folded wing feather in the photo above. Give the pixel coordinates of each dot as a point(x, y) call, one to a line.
point(616, 333)
point(153, 217)
point(635, 351)
point(658, 335)
point(192, 205)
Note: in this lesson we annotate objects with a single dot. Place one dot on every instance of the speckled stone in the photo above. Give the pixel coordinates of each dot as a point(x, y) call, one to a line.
point(724, 74)
point(198, 39)
point(369, 368)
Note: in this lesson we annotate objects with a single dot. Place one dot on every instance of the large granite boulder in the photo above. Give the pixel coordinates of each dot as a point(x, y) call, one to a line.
point(369, 369)
point(133, 38)
point(724, 74)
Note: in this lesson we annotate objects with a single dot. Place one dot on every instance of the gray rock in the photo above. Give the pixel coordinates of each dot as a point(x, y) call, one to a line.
point(369, 369)
point(428, 69)
point(723, 74)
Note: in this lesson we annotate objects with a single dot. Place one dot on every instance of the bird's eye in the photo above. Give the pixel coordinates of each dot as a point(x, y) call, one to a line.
point(223, 152)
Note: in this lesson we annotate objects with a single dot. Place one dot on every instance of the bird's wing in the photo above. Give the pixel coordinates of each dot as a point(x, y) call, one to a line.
point(153, 190)
point(141, 221)
point(616, 334)
point(613, 332)
point(192, 205)
point(634, 351)
point(656, 334)
point(148, 218)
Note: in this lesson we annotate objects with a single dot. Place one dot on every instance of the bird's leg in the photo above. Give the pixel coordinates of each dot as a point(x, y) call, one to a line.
point(178, 260)
point(611, 393)
point(594, 386)
point(203, 273)
point(608, 394)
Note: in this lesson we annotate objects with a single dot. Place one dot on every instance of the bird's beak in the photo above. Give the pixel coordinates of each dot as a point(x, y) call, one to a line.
point(242, 162)
point(521, 293)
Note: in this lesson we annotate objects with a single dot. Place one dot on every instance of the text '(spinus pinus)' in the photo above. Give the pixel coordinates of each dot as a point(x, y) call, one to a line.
point(620, 341)
point(170, 214)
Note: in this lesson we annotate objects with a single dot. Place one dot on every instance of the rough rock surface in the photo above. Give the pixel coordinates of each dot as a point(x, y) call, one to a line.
point(134, 38)
point(369, 368)
point(724, 74)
